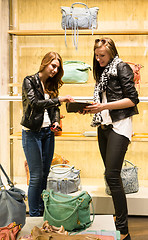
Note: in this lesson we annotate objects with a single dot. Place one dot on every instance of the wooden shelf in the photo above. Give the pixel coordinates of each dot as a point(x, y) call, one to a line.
point(81, 32)
point(78, 136)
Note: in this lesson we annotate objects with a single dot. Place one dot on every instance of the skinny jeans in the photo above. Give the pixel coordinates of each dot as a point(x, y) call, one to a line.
point(113, 148)
point(38, 148)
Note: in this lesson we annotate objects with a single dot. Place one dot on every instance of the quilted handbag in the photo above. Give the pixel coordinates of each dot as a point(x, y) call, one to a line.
point(63, 178)
point(78, 18)
point(72, 212)
point(12, 205)
point(129, 176)
point(75, 72)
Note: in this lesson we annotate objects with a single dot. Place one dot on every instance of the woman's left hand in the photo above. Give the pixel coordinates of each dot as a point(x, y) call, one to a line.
point(94, 108)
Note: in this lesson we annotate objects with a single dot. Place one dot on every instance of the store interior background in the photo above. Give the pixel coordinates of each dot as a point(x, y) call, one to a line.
point(30, 29)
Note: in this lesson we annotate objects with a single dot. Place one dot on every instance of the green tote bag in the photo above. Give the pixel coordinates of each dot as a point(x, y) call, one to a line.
point(72, 212)
point(75, 72)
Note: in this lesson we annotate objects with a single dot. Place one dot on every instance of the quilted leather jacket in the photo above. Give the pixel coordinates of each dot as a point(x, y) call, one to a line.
point(119, 87)
point(34, 104)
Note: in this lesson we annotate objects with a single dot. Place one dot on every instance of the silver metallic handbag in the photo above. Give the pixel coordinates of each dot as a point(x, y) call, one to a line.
point(75, 18)
point(63, 178)
point(129, 176)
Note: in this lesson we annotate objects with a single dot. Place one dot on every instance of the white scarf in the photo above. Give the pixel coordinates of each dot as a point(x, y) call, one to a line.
point(101, 85)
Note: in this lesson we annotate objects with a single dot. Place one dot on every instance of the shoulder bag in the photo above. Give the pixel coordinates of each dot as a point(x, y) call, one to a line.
point(75, 18)
point(72, 212)
point(9, 232)
point(63, 178)
point(129, 176)
point(75, 71)
point(12, 205)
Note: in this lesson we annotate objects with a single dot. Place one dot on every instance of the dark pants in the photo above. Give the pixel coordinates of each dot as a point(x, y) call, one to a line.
point(113, 148)
point(38, 148)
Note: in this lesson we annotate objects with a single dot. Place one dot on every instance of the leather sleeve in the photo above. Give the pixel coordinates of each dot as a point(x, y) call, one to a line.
point(34, 98)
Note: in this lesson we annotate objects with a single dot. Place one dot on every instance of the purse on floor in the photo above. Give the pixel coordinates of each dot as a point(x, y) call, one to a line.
point(72, 212)
point(129, 176)
point(63, 178)
point(9, 232)
point(75, 71)
point(75, 18)
point(12, 205)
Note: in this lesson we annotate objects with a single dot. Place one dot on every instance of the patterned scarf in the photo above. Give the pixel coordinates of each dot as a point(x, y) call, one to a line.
point(101, 85)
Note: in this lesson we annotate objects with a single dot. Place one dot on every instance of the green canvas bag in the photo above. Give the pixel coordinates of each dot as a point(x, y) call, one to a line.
point(72, 212)
point(75, 72)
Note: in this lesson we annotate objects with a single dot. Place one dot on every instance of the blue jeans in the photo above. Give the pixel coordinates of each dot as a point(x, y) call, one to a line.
point(38, 148)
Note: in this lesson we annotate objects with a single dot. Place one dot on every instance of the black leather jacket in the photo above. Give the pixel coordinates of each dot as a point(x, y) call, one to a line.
point(119, 87)
point(34, 104)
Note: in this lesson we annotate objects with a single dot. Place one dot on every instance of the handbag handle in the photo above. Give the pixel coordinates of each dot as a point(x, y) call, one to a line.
point(10, 183)
point(126, 161)
point(80, 4)
point(46, 209)
point(61, 165)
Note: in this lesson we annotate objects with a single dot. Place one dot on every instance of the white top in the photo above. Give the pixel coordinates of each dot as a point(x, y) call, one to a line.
point(46, 121)
point(122, 127)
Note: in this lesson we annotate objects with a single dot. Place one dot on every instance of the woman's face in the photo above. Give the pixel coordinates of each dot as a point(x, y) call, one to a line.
point(102, 56)
point(52, 68)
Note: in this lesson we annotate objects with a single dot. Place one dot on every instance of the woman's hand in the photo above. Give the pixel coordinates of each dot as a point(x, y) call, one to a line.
point(55, 127)
point(94, 108)
point(66, 98)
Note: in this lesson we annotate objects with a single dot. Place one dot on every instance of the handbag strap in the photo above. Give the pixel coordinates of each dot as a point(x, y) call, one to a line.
point(10, 183)
point(126, 161)
point(61, 165)
point(79, 4)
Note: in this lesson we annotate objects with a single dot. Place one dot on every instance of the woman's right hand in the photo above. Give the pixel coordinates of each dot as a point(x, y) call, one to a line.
point(66, 98)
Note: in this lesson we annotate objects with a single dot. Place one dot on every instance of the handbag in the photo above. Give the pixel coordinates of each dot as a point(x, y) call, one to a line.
point(75, 71)
point(129, 176)
point(136, 70)
point(9, 232)
point(63, 178)
point(72, 212)
point(78, 18)
point(12, 205)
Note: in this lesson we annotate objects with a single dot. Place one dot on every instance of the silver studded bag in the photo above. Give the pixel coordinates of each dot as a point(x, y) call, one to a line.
point(129, 177)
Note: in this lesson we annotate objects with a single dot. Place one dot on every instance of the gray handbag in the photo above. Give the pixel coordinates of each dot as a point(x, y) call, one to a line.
point(12, 206)
point(129, 177)
point(63, 178)
point(79, 18)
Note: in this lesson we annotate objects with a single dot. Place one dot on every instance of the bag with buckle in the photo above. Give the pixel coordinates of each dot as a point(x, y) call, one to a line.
point(72, 212)
point(79, 18)
point(12, 205)
point(63, 178)
point(75, 71)
point(129, 176)
point(9, 232)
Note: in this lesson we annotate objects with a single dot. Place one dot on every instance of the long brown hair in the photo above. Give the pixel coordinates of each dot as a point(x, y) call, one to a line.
point(112, 50)
point(52, 85)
